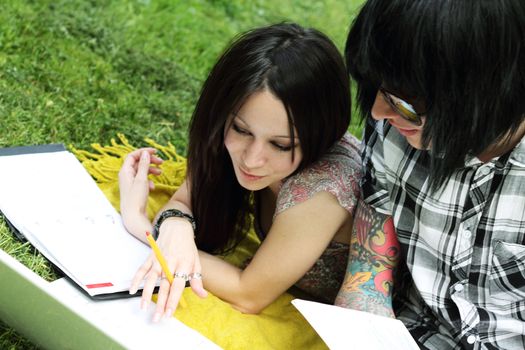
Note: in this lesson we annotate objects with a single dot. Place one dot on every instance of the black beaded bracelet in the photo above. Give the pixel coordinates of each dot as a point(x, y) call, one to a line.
point(172, 213)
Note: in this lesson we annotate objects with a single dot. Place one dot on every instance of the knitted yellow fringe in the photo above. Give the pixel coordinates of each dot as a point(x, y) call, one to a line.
point(279, 326)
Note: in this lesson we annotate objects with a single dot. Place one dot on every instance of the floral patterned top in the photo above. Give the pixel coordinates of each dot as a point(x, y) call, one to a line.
point(337, 172)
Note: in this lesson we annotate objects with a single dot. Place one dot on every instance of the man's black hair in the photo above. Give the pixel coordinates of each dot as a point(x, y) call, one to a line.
point(463, 59)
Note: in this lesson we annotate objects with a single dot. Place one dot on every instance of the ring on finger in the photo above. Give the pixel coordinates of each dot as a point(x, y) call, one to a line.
point(195, 276)
point(182, 275)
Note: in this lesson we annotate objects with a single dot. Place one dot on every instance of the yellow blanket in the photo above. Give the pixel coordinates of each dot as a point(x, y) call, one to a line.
point(279, 326)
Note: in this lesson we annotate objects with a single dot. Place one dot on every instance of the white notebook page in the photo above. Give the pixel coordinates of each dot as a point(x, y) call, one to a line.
point(342, 328)
point(55, 203)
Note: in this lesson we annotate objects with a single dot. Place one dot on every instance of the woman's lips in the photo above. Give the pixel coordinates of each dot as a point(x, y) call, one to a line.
point(249, 176)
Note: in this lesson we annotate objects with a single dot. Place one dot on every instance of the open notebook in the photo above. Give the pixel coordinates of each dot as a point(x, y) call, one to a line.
point(54, 203)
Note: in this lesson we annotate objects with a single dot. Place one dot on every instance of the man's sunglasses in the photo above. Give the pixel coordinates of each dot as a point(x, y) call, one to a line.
point(403, 108)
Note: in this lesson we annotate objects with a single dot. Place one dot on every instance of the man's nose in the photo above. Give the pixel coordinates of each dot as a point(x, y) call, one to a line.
point(382, 109)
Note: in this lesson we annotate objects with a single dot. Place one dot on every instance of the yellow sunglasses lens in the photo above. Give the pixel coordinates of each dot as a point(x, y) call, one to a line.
point(403, 108)
point(407, 113)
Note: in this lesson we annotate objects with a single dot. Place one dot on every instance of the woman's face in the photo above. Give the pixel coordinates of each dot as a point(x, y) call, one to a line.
point(258, 140)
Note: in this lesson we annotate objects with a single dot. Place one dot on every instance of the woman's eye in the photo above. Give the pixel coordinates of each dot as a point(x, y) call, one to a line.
point(282, 148)
point(276, 145)
point(239, 130)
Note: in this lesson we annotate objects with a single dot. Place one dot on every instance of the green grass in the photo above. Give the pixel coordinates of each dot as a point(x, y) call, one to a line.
point(78, 72)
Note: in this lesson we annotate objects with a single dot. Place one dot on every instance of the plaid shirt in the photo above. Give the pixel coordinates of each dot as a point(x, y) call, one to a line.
point(462, 282)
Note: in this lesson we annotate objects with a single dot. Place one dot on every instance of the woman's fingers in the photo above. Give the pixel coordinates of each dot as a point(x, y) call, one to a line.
point(196, 280)
point(177, 288)
point(168, 295)
point(155, 171)
point(127, 173)
point(149, 272)
point(139, 275)
point(136, 153)
point(136, 159)
point(128, 170)
point(132, 159)
point(138, 164)
point(156, 159)
point(186, 266)
point(162, 296)
point(143, 167)
point(149, 286)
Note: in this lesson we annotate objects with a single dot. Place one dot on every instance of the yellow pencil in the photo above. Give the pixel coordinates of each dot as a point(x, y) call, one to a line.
point(163, 264)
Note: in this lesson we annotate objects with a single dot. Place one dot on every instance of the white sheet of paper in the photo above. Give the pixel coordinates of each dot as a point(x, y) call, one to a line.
point(58, 315)
point(342, 328)
point(55, 203)
point(123, 320)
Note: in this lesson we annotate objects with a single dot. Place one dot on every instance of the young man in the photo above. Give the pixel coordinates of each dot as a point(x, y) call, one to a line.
point(442, 86)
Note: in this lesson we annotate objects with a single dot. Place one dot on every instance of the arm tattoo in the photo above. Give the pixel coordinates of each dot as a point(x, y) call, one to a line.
point(374, 253)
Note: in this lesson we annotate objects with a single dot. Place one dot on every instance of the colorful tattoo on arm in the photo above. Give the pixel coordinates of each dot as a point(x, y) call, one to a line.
point(374, 253)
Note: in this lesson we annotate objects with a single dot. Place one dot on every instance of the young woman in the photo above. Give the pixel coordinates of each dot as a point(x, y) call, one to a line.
point(268, 137)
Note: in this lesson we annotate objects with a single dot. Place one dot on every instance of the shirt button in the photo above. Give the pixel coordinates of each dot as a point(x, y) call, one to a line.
point(484, 171)
point(467, 234)
point(471, 339)
point(458, 287)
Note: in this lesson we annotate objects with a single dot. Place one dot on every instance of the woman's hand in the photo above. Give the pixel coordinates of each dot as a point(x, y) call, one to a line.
point(178, 247)
point(134, 184)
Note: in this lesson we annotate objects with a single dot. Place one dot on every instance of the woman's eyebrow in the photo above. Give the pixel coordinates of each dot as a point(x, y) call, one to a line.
point(237, 116)
point(285, 137)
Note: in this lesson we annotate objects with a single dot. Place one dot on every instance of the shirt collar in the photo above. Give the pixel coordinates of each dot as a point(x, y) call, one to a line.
point(517, 156)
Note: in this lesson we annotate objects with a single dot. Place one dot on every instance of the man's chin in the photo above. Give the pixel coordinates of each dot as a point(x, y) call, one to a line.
point(415, 142)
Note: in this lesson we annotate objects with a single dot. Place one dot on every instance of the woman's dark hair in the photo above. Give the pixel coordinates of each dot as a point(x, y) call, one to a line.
point(302, 68)
point(465, 60)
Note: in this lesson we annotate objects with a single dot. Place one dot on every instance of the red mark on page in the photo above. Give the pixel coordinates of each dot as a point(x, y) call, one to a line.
point(99, 285)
